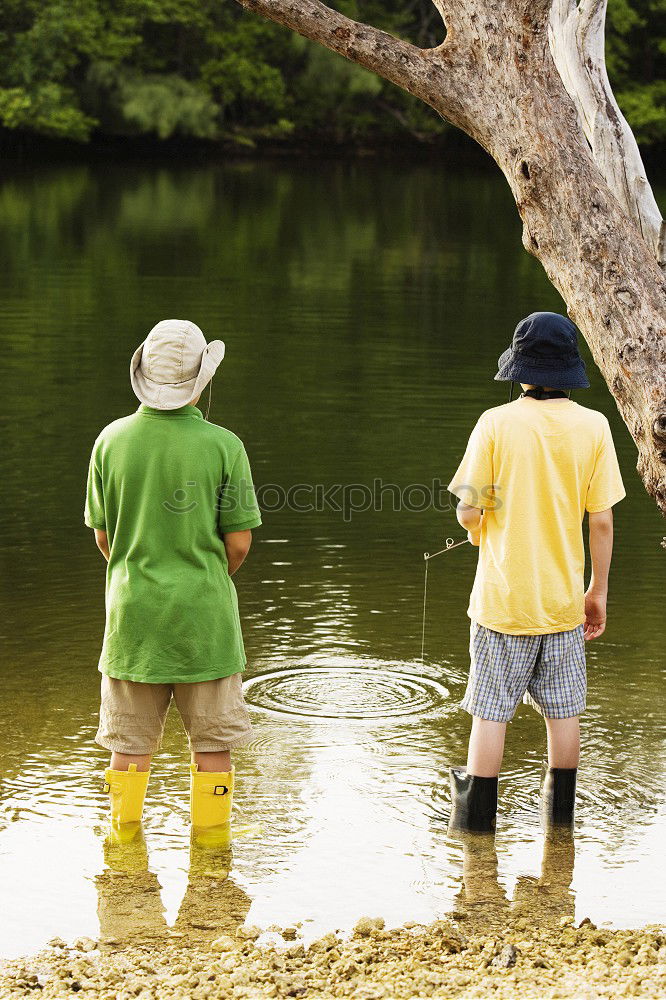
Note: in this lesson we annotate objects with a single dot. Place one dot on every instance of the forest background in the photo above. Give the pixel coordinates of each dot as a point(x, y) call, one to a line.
point(85, 70)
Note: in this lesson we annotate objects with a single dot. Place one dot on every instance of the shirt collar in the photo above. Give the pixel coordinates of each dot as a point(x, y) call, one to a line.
point(181, 411)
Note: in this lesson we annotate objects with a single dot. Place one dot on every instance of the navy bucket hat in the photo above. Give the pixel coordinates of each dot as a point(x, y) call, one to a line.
point(544, 351)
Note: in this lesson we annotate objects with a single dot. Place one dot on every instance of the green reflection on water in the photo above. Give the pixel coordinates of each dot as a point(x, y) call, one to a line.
point(363, 308)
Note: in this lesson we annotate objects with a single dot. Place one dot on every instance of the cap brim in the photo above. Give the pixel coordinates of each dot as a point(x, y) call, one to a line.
point(514, 368)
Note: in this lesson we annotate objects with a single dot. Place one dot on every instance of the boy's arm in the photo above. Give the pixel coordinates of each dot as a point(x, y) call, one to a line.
point(237, 545)
point(102, 541)
point(470, 519)
point(601, 550)
point(473, 480)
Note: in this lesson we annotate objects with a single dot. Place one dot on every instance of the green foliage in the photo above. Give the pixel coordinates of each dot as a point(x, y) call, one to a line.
point(167, 105)
point(207, 68)
point(48, 109)
point(645, 108)
point(636, 59)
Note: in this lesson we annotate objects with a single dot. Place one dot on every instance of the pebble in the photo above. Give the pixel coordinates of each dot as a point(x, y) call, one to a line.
point(248, 932)
point(503, 961)
point(366, 925)
point(84, 944)
point(506, 958)
point(223, 943)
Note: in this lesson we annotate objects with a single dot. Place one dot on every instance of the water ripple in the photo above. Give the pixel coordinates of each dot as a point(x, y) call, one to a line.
point(345, 692)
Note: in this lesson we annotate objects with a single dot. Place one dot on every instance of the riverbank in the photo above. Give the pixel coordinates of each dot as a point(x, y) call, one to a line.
point(452, 147)
point(449, 958)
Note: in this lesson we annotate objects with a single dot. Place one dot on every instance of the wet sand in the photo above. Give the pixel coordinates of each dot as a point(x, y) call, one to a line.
point(449, 958)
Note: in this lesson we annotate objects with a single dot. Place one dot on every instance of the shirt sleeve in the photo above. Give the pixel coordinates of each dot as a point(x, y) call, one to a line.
point(237, 506)
point(473, 481)
point(606, 487)
point(94, 515)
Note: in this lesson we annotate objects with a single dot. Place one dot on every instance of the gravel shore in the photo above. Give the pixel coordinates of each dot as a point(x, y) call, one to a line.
point(449, 958)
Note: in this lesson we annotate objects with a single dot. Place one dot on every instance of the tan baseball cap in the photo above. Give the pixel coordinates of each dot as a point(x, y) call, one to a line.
point(174, 364)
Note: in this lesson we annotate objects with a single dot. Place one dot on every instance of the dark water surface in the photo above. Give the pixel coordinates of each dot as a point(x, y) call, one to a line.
point(363, 308)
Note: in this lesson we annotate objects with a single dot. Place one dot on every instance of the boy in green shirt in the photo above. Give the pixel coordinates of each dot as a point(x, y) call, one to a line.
point(171, 501)
point(531, 471)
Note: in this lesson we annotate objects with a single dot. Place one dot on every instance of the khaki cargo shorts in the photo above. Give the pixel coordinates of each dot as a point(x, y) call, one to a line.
point(132, 715)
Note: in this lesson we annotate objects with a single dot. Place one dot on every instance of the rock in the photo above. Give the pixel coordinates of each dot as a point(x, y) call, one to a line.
point(57, 942)
point(324, 943)
point(506, 958)
point(248, 932)
point(223, 943)
point(84, 944)
point(366, 925)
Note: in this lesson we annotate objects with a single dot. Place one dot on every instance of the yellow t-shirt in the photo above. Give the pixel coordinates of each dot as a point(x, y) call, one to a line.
point(535, 467)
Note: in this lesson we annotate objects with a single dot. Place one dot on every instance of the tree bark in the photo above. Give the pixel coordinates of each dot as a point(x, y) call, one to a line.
point(494, 77)
point(576, 36)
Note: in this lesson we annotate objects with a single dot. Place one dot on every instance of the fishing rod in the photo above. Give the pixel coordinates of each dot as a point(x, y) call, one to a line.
point(427, 556)
point(450, 544)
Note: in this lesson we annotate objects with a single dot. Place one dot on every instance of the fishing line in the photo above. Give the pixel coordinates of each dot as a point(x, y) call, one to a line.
point(427, 556)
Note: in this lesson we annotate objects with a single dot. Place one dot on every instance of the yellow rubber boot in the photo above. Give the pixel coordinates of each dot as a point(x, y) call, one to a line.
point(127, 791)
point(211, 798)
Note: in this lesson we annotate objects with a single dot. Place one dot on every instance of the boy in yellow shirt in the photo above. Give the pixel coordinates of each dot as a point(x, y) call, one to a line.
point(532, 469)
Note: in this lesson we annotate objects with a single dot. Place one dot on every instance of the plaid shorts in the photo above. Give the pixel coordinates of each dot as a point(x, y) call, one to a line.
point(546, 671)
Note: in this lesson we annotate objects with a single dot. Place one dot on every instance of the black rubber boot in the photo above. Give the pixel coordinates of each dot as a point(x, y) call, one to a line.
point(558, 796)
point(474, 802)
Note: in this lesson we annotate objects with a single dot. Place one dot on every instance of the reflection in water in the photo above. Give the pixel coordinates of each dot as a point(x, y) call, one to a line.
point(361, 345)
point(544, 900)
point(130, 908)
point(129, 905)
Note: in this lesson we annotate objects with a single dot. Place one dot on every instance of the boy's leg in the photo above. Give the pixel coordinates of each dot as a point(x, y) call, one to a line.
point(216, 761)
point(216, 721)
point(563, 742)
point(486, 747)
point(122, 761)
point(131, 722)
point(557, 690)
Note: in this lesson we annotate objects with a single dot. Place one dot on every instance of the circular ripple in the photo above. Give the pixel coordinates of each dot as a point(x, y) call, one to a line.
point(344, 693)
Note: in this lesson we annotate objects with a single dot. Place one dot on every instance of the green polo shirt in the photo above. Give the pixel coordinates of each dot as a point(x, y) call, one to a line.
point(166, 485)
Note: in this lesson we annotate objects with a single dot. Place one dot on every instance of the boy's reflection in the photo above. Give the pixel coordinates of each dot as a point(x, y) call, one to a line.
point(130, 907)
point(545, 899)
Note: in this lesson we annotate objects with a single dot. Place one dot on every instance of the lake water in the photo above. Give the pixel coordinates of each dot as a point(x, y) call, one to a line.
point(363, 307)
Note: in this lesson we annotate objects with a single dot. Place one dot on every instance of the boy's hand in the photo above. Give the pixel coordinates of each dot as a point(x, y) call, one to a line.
point(474, 536)
point(470, 518)
point(595, 614)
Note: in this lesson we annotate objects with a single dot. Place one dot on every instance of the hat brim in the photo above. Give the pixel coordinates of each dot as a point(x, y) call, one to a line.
point(513, 367)
point(169, 395)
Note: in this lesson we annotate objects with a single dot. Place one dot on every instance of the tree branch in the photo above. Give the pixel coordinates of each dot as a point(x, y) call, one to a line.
point(428, 74)
point(400, 62)
point(576, 37)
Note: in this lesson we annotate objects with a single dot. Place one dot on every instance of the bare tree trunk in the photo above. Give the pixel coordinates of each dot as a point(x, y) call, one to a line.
point(593, 225)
